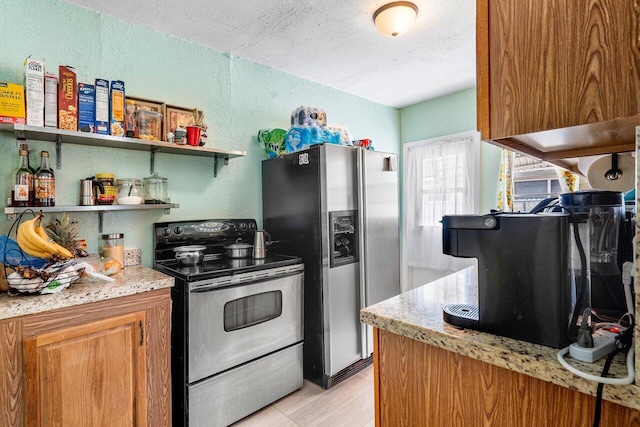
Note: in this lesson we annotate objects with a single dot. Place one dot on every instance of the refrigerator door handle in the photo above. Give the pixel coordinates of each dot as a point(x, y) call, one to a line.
point(362, 228)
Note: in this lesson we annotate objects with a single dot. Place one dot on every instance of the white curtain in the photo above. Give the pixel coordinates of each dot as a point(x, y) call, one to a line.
point(441, 177)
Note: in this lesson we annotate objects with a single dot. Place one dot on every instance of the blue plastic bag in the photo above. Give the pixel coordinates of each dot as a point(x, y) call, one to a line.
point(13, 255)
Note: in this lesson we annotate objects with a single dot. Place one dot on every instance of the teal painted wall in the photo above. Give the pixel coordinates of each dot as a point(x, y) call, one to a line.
point(448, 115)
point(237, 97)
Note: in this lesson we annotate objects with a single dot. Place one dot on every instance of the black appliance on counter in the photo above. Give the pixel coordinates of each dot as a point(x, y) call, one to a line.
point(236, 324)
point(537, 272)
point(524, 289)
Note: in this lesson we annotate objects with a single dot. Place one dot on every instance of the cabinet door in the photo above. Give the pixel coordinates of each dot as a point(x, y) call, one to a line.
point(550, 64)
point(88, 375)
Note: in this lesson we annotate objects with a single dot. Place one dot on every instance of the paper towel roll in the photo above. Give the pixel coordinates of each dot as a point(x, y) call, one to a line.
point(598, 169)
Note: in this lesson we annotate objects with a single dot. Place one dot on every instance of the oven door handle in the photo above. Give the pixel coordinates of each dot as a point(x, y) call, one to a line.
point(249, 280)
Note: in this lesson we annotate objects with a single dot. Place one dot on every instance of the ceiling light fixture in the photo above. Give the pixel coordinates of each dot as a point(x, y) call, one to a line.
point(395, 19)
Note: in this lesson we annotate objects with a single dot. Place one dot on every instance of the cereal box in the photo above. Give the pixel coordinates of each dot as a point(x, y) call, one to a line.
point(12, 103)
point(102, 107)
point(86, 107)
point(117, 108)
point(50, 100)
point(67, 98)
point(34, 91)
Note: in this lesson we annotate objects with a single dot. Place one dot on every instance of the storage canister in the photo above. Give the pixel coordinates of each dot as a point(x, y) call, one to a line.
point(106, 193)
point(128, 191)
point(112, 246)
point(155, 189)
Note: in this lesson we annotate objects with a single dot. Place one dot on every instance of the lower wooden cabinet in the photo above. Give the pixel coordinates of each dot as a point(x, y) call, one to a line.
point(420, 385)
point(99, 364)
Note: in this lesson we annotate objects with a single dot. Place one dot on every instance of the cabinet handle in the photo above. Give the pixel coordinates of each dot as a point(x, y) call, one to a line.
point(141, 333)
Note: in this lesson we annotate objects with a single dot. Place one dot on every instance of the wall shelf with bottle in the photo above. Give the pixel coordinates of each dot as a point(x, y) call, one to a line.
point(12, 212)
point(59, 136)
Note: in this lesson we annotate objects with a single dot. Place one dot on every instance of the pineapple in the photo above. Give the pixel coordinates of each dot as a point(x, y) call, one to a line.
point(65, 233)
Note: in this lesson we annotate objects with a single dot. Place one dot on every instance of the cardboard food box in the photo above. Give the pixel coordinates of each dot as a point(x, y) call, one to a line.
point(67, 98)
point(102, 107)
point(86, 107)
point(117, 108)
point(12, 103)
point(50, 100)
point(34, 91)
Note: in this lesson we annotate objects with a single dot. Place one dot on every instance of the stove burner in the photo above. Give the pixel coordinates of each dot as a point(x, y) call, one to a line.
point(214, 235)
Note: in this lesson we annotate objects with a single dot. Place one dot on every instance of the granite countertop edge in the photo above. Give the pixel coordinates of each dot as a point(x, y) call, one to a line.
point(417, 314)
point(130, 281)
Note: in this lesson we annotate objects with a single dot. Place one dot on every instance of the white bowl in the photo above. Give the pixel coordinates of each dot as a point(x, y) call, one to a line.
point(129, 200)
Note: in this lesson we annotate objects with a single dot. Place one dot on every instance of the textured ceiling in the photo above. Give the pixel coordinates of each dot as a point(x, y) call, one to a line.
point(334, 42)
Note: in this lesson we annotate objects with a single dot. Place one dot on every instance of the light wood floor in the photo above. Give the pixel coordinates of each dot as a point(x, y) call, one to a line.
point(349, 403)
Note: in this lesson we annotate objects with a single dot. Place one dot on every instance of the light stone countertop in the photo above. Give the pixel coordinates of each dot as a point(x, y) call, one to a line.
point(131, 280)
point(417, 314)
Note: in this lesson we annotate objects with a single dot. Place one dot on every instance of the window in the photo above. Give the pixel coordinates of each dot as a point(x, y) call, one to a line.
point(533, 181)
point(441, 177)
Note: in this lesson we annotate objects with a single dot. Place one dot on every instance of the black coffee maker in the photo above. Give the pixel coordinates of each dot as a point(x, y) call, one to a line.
point(538, 271)
point(524, 283)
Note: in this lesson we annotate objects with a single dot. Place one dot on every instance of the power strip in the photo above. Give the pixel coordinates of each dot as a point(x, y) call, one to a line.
point(604, 342)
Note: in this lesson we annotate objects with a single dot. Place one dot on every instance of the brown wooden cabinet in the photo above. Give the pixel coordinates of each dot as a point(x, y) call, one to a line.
point(420, 385)
point(99, 364)
point(559, 78)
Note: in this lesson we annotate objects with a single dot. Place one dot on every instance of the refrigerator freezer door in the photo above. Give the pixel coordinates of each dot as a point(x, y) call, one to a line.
point(380, 241)
point(340, 283)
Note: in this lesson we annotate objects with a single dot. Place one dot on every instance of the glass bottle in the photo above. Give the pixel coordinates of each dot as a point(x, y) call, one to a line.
point(45, 183)
point(22, 182)
point(32, 184)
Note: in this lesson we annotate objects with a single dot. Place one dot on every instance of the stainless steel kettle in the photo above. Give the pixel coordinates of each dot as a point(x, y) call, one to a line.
point(259, 250)
point(87, 193)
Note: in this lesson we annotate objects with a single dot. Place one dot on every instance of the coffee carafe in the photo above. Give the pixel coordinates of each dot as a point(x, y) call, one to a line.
point(259, 250)
point(87, 194)
point(596, 279)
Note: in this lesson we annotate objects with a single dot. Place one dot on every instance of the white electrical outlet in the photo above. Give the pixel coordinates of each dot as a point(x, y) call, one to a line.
point(604, 342)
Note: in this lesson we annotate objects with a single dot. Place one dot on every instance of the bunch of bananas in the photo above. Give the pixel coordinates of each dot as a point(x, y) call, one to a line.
point(33, 239)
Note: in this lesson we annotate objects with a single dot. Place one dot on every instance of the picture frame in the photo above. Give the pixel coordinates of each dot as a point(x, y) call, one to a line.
point(178, 116)
point(156, 129)
point(147, 104)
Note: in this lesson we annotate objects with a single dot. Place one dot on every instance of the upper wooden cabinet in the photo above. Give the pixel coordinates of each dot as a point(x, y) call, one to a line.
point(559, 78)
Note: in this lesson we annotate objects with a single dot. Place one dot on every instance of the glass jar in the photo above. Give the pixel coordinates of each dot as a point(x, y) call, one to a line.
point(112, 246)
point(128, 191)
point(106, 194)
point(155, 189)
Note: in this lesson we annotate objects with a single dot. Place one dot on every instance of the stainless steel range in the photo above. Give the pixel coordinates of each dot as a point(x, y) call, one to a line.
point(236, 338)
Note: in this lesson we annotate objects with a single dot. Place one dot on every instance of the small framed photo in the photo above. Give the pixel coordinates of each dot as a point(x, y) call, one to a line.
point(178, 116)
point(148, 105)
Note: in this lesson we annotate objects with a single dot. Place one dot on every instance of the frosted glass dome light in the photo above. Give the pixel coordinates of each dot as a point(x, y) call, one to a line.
point(395, 19)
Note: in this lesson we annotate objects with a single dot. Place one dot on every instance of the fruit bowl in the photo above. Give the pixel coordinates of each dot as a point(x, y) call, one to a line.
point(52, 279)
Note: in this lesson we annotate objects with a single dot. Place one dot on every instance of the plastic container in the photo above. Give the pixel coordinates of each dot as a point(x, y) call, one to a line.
point(148, 125)
point(155, 189)
point(112, 246)
point(128, 191)
point(106, 194)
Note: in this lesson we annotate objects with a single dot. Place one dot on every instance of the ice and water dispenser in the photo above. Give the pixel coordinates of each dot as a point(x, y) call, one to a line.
point(343, 237)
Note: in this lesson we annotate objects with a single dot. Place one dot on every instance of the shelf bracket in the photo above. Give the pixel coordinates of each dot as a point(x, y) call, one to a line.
point(216, 158)
point(100, 221)
point(153, 158)
point(59, 152)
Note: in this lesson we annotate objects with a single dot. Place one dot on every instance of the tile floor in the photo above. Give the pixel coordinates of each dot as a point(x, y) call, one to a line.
point(349, 403)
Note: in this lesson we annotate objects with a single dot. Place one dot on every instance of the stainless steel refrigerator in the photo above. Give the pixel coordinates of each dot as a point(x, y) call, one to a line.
point(337, 208)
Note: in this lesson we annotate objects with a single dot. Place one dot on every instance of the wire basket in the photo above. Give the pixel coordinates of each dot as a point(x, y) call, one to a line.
point(31, 275)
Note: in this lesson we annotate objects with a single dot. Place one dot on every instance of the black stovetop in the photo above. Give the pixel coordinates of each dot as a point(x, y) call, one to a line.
point(224, 267)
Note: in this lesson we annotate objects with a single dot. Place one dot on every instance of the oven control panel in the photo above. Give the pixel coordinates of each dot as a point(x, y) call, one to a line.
point(213, 230)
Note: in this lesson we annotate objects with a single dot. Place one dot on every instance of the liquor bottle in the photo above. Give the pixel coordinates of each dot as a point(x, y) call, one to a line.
point(45, 183)
point(32, 184)
point(22, 182)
